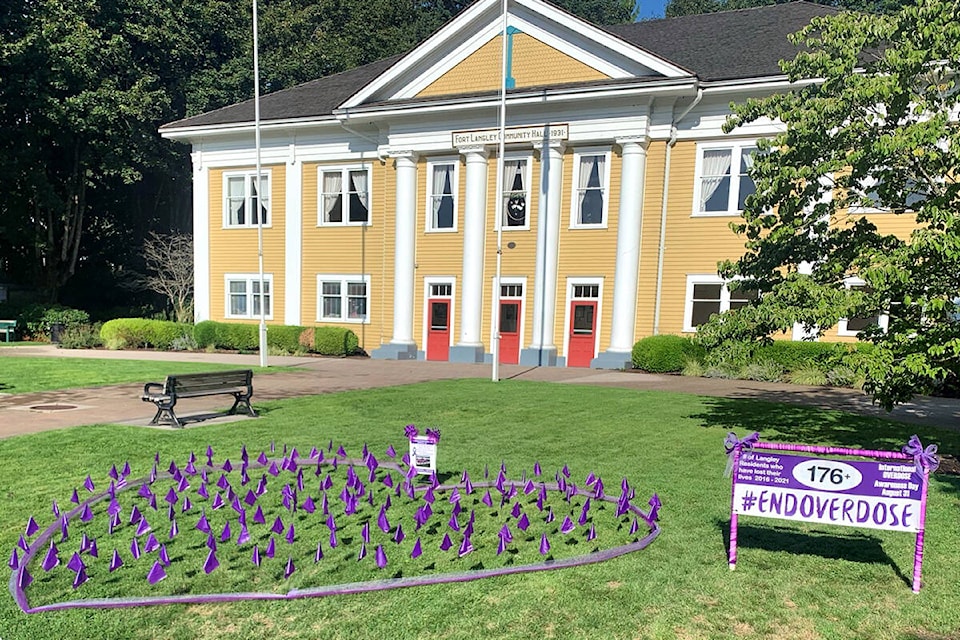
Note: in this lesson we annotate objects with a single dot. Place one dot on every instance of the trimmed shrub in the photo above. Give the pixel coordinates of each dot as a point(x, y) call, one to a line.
point(664, 354)
point(240, 337)
point(335, 341)
point(284, 338)
point(138, 333)
point(82, 337)
point(205, 333)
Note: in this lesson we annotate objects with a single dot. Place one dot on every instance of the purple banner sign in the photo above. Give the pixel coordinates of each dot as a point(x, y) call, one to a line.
point(877, 495)
point(889, 492)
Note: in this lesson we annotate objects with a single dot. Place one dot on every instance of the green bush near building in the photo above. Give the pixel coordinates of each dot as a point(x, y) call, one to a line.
point(664, 354)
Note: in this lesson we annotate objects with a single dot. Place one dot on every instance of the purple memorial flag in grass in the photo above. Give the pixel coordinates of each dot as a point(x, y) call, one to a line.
point(318, 556)
point(211, 562)
point(567, 525)
point(291, 534)
point(523, 522)
point(277, 526)
point(226, 534)
point(86, 515)
point(202, 492)
point(381, 557)
point(186, 505)
point(399, 535)
point(75, 497)
point(308, 505)
point(391, 452)
point(202, 524)
point(333, 538)
point(446, 543)
point(486, 499)
point(363, 551)
point(32, 527)
point(550, 515)
point(536, 469)
point(244, 536)
point(271, 548)
point(654, 507)
point(583, 513)
point(88, 484)
point(164, 556)
point(14, 562)
point(290, 568)
point(592, 533)
point(84, 542)
point(135, 549)
point(634, 526)
point(258, 516)
point(151, 545)
point(544, 544)
point(382, 520)
point(365, 532)
point(211, 542)
point(75, 563)
point(156, 573)
point(80, 578)
point(115, 561)
point(417, 549)
point(255, 558)
point(453, 523)
point(92, 549)
point(52, 558)
point(465, 547)
point(515, 512)
point(55, 508)
point(25, 579)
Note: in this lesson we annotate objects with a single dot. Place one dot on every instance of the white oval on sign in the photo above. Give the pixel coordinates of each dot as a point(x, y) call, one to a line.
point(827, 475)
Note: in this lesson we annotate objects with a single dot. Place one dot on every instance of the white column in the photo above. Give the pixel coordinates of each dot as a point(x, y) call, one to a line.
point(542, 351)
point(633, 174)
point(402, 345)
point(201, 238)
point(293, 234)
point(470, 347)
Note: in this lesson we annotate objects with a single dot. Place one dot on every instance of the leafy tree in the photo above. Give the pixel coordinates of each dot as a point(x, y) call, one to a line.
point(690, 7)
point(871, 124)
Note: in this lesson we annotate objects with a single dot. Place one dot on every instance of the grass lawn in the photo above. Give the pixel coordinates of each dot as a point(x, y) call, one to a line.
point(26, 375)
point(792, 581)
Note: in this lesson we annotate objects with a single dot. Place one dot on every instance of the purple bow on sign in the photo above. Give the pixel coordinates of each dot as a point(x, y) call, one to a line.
point(732, 443)
point(922, 458)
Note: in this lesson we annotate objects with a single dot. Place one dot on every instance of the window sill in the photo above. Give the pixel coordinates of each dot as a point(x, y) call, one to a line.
point(716, 214)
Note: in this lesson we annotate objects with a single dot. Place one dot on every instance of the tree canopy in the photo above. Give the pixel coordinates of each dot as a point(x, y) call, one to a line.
point(870, 137)
point(690, 7)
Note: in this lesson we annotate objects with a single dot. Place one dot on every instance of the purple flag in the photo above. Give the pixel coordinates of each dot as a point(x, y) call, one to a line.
point(244, 536)
point(25, 579)
point(271, 548)
point(164, 556)
point(289, 569)
point(202, 492)
point(226, 534)
point(277, 526)
point(217, 502)
point(363, 551)
point(14, 562)
point(88, 484)
point(654, 507)
point(501, 546)
point(592, 533)
point(523, 522)
point(211, 562)
point(505, 534)
point(536, 469)
point(318, 556)
point(74, 497)
point(186, 505)
point(453, 523)
point(80, 578)
point(86, 515)
point(550, 515)
point(391, 452)
point(465, 547)
point(417, 549)
point(544, 544)
point(135, 549)
point(446, 542)
point(92, 549)
point(634, 526)
point(333, 538)
point(381, 557)
point(156, 573)
point(55, 508)
point(255, 558)
point(291, 535)
point(151, 545)
point(258, 516)
point(365, 532)
point(32, 527)
point(202, 524)
point(51, 559)
point(567, 525)
point(115, 562)
point(515, 512)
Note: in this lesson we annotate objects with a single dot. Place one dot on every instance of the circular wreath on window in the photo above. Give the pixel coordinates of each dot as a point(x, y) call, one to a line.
point(516, 210)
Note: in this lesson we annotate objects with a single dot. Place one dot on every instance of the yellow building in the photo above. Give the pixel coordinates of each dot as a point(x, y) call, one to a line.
point(387, 210)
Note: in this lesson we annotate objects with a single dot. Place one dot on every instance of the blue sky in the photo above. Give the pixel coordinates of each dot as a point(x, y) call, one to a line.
point(651, 8)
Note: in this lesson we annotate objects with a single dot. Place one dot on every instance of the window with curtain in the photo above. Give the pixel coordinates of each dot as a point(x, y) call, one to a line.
point(724, 182)
point(344, 196)
point(591, 189)
point(244, 298)
point(441, 199)
point(243, 207)
point(342, 298)
point(515, 196)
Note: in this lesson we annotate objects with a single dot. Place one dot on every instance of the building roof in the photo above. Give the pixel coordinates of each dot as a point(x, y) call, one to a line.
point(728, 45)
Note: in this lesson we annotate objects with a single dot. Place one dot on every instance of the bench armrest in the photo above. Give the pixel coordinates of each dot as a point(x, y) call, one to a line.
point(153, 388)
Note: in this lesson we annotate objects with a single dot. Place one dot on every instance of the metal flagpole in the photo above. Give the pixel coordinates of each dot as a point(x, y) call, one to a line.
point(498, 204)
point(260, 210)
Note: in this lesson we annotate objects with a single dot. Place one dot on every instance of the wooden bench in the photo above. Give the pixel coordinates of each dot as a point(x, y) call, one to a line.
point(238, 384)
point(8, 328)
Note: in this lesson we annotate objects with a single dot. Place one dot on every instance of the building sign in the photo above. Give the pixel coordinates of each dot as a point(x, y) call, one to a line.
point(889, 492)
point(511, 135)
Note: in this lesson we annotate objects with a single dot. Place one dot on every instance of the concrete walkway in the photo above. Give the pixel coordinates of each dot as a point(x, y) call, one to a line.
point(33, 412)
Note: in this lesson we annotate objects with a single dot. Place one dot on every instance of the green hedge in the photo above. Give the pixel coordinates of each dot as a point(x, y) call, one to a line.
point(330, 341)
point(137, 333)
point(284, 337)
point(820, 355)
point(335, 341)
point(664, 354)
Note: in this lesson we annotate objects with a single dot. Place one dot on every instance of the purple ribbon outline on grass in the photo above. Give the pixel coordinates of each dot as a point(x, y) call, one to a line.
point(20, 596)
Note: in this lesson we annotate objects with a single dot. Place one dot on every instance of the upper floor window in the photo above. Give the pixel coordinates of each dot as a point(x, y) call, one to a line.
point(245, 298)
point(516, 193)
point(442, 196)
point(344, 196)
point(723, 183)
point(591, 177)
point(243, 204)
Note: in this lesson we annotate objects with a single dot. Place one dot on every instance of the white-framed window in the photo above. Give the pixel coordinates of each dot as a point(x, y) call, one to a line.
point(850, 327)
point(516, 193)
point(722, 184)
point(867, 198)
point(243, 295)
point(243, 207)
point(343, 298)
point(708, 294)
point(344, 197)
point(591, 180)
point(442, 189)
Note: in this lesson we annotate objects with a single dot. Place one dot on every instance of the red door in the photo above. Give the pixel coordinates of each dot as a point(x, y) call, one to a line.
point(510, 331)
point(438, 334)
point(583, 333)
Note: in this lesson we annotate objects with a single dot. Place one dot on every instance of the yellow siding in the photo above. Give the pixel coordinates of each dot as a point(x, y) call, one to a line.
point(534, 64)
point(650, 239)
point(694, 245)
point(235, 250)
point(587, 253)
point(350, 250)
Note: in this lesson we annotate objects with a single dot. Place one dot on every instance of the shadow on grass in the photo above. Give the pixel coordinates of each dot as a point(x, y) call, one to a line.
point(853, 546)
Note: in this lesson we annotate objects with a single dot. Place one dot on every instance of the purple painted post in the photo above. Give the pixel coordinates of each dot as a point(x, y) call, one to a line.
point(732, 559)
point(918, 550)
